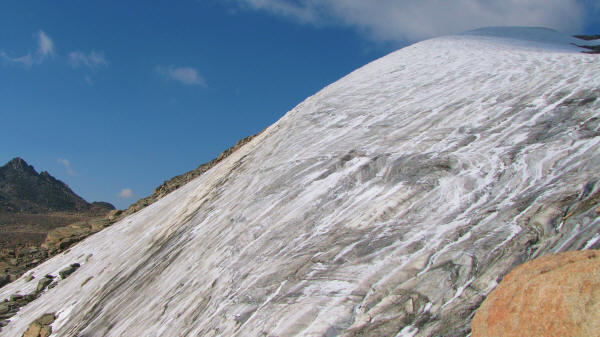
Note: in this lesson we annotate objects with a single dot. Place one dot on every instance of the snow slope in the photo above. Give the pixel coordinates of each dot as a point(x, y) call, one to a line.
point(388, 204)
point(532, 37)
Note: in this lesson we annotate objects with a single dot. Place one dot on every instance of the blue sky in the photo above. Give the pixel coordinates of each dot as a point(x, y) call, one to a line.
point(114, 97)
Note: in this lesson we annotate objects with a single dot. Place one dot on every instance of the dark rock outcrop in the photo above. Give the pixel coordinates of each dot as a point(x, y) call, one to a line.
point(22, 189)
point(69, 270)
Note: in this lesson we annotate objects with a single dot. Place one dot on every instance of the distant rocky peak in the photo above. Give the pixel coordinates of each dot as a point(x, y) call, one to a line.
point(45, 175)
point(22, 189)
point(18, 164)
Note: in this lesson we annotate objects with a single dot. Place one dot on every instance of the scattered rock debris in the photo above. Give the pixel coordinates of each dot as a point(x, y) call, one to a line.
point(41, 326)
point(9, 307)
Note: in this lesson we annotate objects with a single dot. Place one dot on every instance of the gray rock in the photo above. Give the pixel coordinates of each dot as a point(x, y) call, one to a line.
point(43, 283)
point(15, 297)
point(68, 271)
point(46, 319)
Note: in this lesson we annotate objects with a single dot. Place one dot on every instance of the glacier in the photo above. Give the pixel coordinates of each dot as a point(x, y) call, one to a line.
point(390, 203)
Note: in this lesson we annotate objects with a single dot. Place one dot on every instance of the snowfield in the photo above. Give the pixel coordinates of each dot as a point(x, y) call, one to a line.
point(388, 204)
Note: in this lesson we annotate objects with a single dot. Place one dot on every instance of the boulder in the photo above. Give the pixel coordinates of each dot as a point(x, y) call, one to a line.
point(33, 330)
point(69, 270)
point(40, 327)
point(46, 331)
point(15, 297)
point(46, 319)
point(43, 283)
point(114, 215)
point(555, 295)
point(4, 308)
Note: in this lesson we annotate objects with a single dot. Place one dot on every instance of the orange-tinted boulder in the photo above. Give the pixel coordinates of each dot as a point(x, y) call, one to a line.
point(555, 295)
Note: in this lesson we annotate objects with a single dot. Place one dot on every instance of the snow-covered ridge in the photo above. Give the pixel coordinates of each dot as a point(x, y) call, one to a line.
point(531, 37)
point(387, 204)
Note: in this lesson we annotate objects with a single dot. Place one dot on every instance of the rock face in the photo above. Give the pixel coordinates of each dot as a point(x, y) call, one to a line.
point(388, 204)
point(555, 295)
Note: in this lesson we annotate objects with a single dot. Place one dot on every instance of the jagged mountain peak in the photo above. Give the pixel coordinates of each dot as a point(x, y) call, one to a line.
point(19, 165)
point(388, 204)
point(22, 189)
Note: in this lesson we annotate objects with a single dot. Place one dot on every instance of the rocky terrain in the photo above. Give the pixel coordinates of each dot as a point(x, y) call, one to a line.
point(555, 295)
point(391, 203)
point(39, 217)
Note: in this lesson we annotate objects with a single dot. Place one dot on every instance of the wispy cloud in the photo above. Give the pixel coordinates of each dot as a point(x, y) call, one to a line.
point(45, 44)
point(67, 164)
point(410, 20)
point(44, 50)
point(185, 75)
point(126, 193)
point(25, 60)
point(92, 60)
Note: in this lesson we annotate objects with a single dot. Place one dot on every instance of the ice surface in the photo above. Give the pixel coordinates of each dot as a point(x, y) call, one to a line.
point(389, 203)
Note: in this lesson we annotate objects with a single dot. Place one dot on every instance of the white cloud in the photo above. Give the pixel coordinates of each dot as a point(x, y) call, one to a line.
point(185, 75)
point(304, 12)
point(410, 20)
point(45, 44)
point(25, 60)
point(45, 49)
point(126, 193)
point(67, 164)
point(92, 60)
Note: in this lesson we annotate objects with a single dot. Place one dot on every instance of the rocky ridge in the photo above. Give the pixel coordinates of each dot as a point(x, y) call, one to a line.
point(176, 182)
